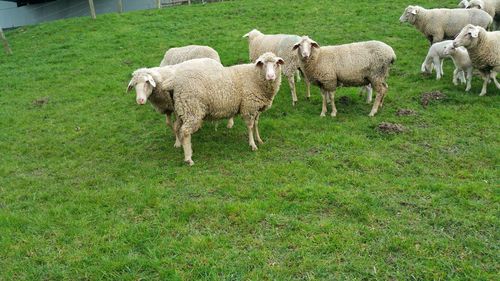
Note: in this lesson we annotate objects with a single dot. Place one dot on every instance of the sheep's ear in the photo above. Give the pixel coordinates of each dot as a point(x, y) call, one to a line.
point(481, 6)
point(151, 81)
point(280, 61)
point(259, 63)
point(295, 46)
point(314, 44)
point(414, 11)
point(246, 35)
point(130, 86)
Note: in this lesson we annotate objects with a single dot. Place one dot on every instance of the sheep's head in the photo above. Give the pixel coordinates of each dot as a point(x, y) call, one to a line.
point(475, 4)
point(252, 34)
point(410, 14)
point(468, 36)
point(305, 47)
point(449, 49)
point(143, 83)
point(269, 65)
point(463, 4)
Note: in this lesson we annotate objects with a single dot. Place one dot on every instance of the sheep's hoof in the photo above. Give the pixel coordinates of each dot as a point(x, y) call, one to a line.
point(467, 89)
point(260, 141)
point(371, 114)
point(254, 147)
point(482, 94)
point(189, 162)
point(323, 114)
point(294, 103)
point(333, 114)
point(177, 144)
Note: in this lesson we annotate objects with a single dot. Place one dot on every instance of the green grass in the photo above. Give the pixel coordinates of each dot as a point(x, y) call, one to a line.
point(91, 187)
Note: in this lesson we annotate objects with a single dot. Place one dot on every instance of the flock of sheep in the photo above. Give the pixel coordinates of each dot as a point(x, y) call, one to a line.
point(192, 84)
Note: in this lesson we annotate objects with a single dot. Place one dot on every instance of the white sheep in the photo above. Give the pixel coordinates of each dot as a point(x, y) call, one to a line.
point(281, 45)
point(356, 64)
point(212, 92)
point(435, 58)
point(182, 54)
point(492, 7)
point(463, 64)
point(440, 24)
point(484, 52)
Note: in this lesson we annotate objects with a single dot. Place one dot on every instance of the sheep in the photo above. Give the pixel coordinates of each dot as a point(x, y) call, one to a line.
point(213, 92)
point(435, 58)
point(463, 64)
point(484, 52)
point(356, 64)
point(281, 45)
point(440, 24)
point(492, 7)
point(182, 54)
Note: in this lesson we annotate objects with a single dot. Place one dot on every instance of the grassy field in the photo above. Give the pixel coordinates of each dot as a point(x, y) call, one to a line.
point(91, 187)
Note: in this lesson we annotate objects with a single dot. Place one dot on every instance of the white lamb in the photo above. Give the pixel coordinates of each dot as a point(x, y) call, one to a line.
point(463, 64)
point(440, 24)
point(281, 45)
point(484, 52)
point(350, 65)
point(435, 58)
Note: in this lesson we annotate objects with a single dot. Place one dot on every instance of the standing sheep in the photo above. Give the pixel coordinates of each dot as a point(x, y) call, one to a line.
point(356, 64)
point(281, 45)
point(440, 24)
point(435, 58)
point(492, 7)
point(182, 54)
point(484, 52)
point(213, 92)
point(463, 64)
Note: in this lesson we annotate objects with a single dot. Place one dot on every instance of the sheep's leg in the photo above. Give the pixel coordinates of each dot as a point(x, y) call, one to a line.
point(381, 89)
point(469, 79)
point(308, 88)
point(441, 67)
point(256, 128)
point(291, 82)
point(324, 94)
point(250, 121)
point(486, 79)
point(168, 120)
point(369, 94)
point(493, 76)
point(437, 64)
point(427, 65)
point(455, 77)
point(462, 76)
point(230, 123)
point(176, 129)
point(332, 102)
point(188, 151)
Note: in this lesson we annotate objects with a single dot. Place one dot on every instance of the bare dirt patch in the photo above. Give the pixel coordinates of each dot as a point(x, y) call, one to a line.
point(431, 96)
point(41, 101)
point(390, 128)
point(406, 112)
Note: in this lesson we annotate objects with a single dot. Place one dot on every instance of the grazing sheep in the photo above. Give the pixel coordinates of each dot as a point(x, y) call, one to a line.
point(463, 64)
point(484, 52)
point(492, 7)
point(356, 64)
point(281, 45)
point(440, 24)
point(435, 58)
point(214, 92)
point(182, 54)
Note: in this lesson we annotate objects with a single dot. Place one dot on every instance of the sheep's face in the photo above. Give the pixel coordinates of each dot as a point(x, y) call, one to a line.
point(305, 48)
point(467, 36)
point(270, 66)
point(463, 4)
point(475, 4)
point(449, 49)
point(409, 14)
point(144, 85)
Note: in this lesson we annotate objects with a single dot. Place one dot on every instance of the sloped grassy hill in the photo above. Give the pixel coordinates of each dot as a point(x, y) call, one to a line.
point(91, 187)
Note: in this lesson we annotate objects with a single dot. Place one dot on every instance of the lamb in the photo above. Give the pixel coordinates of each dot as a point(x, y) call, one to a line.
point(440, 24)
point(356, 64)
point(484, 52)
point(182, 54)
point(213, 92)
point(281, 45)
point(492, 7)
point(435, 58)
point(463, 64)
